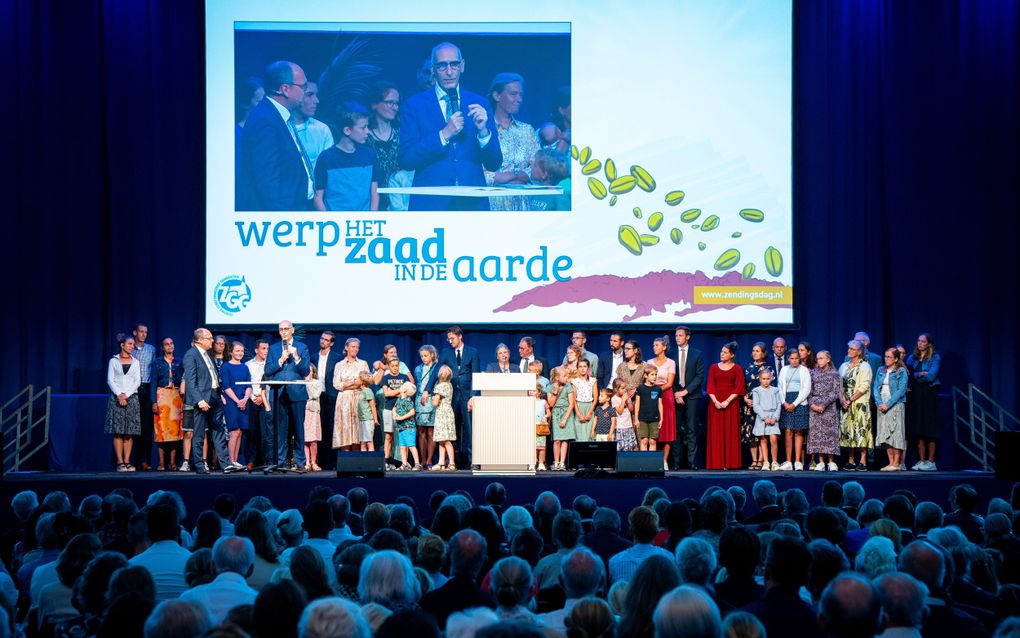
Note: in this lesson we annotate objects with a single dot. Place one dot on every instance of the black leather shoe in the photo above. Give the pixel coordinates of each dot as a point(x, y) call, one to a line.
point(201, 469)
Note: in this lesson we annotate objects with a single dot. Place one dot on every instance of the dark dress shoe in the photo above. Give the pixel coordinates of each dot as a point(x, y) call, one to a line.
point(201, 469)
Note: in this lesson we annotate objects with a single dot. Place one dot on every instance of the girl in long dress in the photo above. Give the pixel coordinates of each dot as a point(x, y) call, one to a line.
point(445, 428)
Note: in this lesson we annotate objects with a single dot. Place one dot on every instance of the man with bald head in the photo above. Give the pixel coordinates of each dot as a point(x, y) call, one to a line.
point(203, 405)
point(288, 360)
point(274, 171)
point(446, 137)
point(467, 550)
point(850, 608)
point(927, 563)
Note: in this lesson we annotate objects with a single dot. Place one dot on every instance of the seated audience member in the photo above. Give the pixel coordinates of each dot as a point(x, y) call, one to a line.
point(850, 608)
point(233, 557)
point(165, 558)
point(253, 525)
point(904, 599)
point(514, 519)
point(511, 583)
point(740, 624)
point(341, 509)
point(308, 569)
point(590, 617)
point(470, 622)
point(604, 538)
point(739, 497)
point(964, 500)
point(54, 604)
point(687, 612)
point(566, 534)
point(317, 522)
point(827, 562)
point(178, 619)
point(900, 510)
point(468, 551)
point(739, 552)
point(926, 563)
point(853, 497)
point(927, 515)
point(331, 618)
point(877, 557)
point(277, 610)
point(431, 553)
point(582, 574)
point(695, 560)
point(409, 623)
point(387, 578)
point(644, 525)
point(781, 610)
point(651, 581)
point(999, 536)
point(766, 499)
point(199, 569)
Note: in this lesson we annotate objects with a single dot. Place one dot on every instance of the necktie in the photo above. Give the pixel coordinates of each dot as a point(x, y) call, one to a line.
point(449, 106)
point(307, 161)
point(458, 358)
point(683, 367)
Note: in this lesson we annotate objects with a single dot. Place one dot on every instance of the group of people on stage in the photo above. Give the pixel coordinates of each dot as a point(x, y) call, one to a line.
point(422, 416)
point(444, 136)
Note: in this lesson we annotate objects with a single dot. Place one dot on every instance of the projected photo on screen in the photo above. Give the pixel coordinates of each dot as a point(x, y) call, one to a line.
point(380, 126)
point(589, 164)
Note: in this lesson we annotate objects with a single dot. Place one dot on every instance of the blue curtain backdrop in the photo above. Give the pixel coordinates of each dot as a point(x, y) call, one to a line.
point(905, 189)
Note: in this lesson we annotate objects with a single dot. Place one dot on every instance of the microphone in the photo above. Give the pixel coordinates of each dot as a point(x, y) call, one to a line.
point(286, 347)
point(454, 99)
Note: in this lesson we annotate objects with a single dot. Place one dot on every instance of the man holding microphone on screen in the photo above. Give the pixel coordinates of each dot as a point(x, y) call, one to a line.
point(445, 136)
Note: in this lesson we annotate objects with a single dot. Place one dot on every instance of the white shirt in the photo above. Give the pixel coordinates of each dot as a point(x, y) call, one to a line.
point(258, 370)
point(805, 382)
point(526, 361)
point(121, 382)
point(165, 560)
point(554, 619)
point(226, 591)
point(321, 365)
point(286, 115)
point(617, 360)
point(212, 370)
point(315, 136)
point(321, 545)
point(42, 576)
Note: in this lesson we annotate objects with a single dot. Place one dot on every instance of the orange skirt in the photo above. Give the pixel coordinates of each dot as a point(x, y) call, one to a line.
point(168, 421)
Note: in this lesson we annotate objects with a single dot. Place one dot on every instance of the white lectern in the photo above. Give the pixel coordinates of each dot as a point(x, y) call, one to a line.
point(503, 423)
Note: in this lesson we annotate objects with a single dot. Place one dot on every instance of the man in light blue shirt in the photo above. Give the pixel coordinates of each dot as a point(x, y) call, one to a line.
point(644, 525)
point(233, 558)
point(165, 558)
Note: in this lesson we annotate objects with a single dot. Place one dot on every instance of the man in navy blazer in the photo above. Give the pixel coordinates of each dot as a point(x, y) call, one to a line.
point(608, 361)
point(325, 364)
point(203, 405)
point(688, 391)
point(445, 136)
point(287, 361)
point(463, 361)
point(273, 174)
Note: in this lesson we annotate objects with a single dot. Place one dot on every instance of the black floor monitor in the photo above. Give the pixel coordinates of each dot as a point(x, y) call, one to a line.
point(591, 454)
point(360, 464)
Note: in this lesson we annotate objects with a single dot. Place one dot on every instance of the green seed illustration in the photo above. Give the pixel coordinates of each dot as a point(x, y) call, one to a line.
point(654, 221)
point(644, 178)
point(591, 167)
point(690, 215)
point(728, 259)
point(674, 197)
point(676, 235)
point(597, 188)
point(612, 200)
point(711, 223)
point(752, 215)
point(630, 239)
point(585, 155)
point(748, 271)
point(737, 234)
point(610, 170)
point(702, 245)
point(573, 151)
point(773, 261)
point(637, 212)
point(649, 240)
point(623, 184)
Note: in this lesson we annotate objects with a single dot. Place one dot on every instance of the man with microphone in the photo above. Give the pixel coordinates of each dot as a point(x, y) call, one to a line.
point(445, 137)
point(287, 361)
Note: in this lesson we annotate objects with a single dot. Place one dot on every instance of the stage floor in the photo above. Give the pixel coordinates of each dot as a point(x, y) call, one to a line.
point(291, 490)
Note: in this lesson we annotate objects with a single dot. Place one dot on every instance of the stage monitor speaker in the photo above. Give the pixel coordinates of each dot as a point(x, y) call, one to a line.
point(591, 454)
point(639, 464)
point(1007, 449)
point(360, 465)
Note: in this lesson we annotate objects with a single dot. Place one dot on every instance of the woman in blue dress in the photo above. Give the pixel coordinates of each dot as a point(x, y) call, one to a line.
point(424, 410)
point(235, 412)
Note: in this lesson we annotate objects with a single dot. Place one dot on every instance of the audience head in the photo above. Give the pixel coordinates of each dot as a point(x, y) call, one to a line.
point(388, 578)
point(290, 527)
point(317, 519)
point(926, 563)
point(853, 494)
point(358, 498)
point(927, 516)
point(253, 525)
point(209, 527)
point(582, 573)
point(233, 554)
point(695, 561)
point(590, 618)
point(904, 599)
point(89, 595)
point(889, 529)
point(199, 569)
point(178, 619)
point(467, 549)
point(78, 553)
point(333, 617)
point(407, 623)
point(869, 512)
point(566, 530)
point(24, 503)
point(739, 497)
point(278, 608)
point(515, 518)
point(162, 522)
point(308, 569)
point(643, 524)
point(764, 493)
point(348, 563)
point(655, 576)
point(823, 522)
point(606, 519)
point(996, 526)
point(687, 612)
point(468, 623)
point(528, 544)
point(617, 596)
point(340, 508)
point(741, 624)
point(963, 498)
point(739, 552)
point(832, 494)
point(511, 582)
point(827, 562)
point(900, 510)
point(653, 494)
point(431, 551)
point(787, 563)
point(876, 557)
point(851, 608)
point(135, 581)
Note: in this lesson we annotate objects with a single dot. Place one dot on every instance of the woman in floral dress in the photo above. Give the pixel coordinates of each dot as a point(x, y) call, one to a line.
point(517, 141)
point(855, 396)
point(823, 418)
point(751, 375)
point(346, 426)
point(445, 429)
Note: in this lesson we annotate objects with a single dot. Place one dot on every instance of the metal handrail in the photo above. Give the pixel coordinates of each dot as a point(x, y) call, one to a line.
point(25, 433)
point(980, 419)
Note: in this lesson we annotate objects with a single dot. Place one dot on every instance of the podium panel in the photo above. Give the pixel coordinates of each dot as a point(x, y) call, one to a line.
point(503, 418)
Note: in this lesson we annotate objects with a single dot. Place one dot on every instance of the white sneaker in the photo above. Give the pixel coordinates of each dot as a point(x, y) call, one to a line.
point(785, 467)
point(820, 467)
point(665, 466)
point(919, 465)
point(833, 467)
point(541, 467)
point(185, 467)
point(798, 466)
point(930, 467)
point(775, 466)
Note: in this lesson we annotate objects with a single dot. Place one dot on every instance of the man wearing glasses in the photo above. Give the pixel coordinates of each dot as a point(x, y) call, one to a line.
point(203, 406)
point(274, 169)
point(288, 361)
point(445, 136)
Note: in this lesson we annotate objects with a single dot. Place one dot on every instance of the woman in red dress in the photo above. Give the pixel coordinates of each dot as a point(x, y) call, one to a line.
point(725, 386)
point(666, 373)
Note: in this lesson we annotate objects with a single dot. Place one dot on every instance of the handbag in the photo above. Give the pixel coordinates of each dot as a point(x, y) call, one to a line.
point(542, 429)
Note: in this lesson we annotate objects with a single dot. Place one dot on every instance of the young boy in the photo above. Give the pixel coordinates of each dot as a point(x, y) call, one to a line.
point(603, 425)
point(403, 423)
point(367, 413)
point(768, 404)
point(391, 383)
point(648, 407)
point(347, 175)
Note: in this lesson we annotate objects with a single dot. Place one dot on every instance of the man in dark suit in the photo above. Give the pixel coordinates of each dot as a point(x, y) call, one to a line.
point(325, 363)
point(688, 389)
point(463, 361)
point(288, 361)
point(274, 170)
point(609, 361)
point(445, 136)
point(203, 404)
point(526, 349)
point(777, 360)
point(927, 563)
point(467, 551)
point(604, 538)
point(782, 610)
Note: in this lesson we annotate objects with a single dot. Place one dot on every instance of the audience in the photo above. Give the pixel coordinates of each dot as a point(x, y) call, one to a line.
point(785, 570)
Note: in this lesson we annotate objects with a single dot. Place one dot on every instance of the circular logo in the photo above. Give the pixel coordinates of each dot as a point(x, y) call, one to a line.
point(232, 294)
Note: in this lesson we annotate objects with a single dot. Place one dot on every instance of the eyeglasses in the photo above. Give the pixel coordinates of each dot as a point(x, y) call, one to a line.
point(303, 87)
point(442, 66)
point(390, 102)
